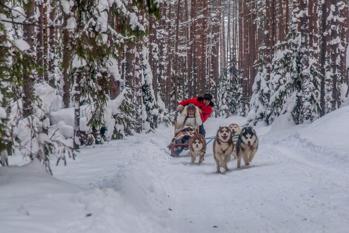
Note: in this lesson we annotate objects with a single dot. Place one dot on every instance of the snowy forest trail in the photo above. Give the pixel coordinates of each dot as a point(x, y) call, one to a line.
point(134, 186)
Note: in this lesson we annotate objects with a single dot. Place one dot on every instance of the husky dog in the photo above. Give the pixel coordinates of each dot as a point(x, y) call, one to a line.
point(197, 147)
point(223, 147)
point(236, 130)
point(190, 116)
point(246, 145)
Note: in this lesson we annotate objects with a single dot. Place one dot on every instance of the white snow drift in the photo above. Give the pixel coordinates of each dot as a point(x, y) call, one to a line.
point(298, 182)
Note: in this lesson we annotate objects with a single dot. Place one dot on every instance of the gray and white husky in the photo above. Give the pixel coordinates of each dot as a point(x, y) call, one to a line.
point(246, 146)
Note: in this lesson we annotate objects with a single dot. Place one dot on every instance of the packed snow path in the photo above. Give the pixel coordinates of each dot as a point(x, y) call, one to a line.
point(133, 186)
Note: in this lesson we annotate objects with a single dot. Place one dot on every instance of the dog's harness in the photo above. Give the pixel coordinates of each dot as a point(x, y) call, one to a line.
point(235, 138)
point(219, 142)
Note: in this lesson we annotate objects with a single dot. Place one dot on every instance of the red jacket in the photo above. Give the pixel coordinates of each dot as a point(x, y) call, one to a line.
point(206, 111)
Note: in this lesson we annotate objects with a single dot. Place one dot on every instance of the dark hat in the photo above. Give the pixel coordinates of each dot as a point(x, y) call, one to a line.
point(191, 107)
point(207, 96)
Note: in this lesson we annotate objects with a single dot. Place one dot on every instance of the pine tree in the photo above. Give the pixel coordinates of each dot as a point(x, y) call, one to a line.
point(224, 96)
point(259, 103)
point(149, 100)
point(230, 93)
point(281, 82)
point(125, 121)
point(5, 93)
point(334, 79)
point(309, 92)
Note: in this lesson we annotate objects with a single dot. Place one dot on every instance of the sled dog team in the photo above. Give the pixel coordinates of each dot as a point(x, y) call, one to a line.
point(233, 141)
point(230, 141)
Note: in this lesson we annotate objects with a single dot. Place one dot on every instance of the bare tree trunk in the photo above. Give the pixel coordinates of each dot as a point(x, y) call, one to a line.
point(28, 80)
point(52, 43)
point(45, 40)
point(77, 99)
point(174, 75)
point(67, 57)
point(228, 40)
point(323, 58)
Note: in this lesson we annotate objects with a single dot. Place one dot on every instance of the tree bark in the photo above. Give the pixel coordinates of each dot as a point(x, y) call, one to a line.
point(28, 79)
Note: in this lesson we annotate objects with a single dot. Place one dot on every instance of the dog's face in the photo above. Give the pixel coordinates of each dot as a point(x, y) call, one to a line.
point(197, 142)
point(248, 136)
point(197, 145)
point(224, 134)
point(235, 128)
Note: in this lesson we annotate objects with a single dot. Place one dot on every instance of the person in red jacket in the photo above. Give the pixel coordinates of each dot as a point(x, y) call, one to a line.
point(204, 103)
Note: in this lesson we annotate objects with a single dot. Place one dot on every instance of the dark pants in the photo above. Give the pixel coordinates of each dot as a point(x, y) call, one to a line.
point(202, 130)
point(183, 140)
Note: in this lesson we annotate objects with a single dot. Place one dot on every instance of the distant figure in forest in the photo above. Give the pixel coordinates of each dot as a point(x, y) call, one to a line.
point(206, 108)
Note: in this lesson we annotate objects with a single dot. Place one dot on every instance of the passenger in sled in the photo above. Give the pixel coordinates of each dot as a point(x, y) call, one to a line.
point(193, 112)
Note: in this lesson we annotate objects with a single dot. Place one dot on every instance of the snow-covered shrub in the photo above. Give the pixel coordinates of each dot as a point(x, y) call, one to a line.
point(126, 115)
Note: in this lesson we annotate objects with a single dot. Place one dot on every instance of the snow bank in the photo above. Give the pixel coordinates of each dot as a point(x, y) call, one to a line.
point(29, 181)
point(323, 142)
point(132, 185)
point(34, 202)
point(50, 100)
point(66, 130)
point(66, 115)
point(330, 131)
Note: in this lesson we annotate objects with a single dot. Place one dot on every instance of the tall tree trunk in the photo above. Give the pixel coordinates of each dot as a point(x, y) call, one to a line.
point(66, 61)
point(323, 58)
point(77, 99)
point(45, 40)
point(52, 43)
point(28, 79)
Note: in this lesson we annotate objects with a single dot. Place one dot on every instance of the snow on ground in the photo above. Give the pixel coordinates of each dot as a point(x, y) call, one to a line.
point(298, 183)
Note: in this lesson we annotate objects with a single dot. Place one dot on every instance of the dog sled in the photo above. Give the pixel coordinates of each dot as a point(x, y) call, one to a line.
point(180, 141)
point(187, 123)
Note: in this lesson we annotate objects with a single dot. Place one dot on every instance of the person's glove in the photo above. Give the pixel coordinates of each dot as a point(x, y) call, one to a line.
point(180, 108)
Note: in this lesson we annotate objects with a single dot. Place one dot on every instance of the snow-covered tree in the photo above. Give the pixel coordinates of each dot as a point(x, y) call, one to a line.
point(280, 83)
point(230, 93)
point(335, 57)
point(259, 103)
point(149, 100)
point(293, 83)
point(125, 115)
point(5, 94)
